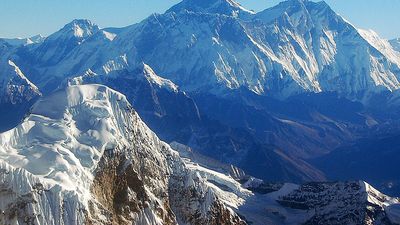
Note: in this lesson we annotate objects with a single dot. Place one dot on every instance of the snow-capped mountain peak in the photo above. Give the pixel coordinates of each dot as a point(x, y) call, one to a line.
point(225, 7)
point(300, 13)
point(81, 28)
point(86, 148)
point(71, 109)
point(58, 45)
point(295, 47)
point(78, 30)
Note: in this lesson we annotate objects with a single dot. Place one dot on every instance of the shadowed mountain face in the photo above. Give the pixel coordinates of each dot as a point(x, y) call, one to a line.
point(268, 91)
point(396, 44)
point(373, 159)
point(17, 95)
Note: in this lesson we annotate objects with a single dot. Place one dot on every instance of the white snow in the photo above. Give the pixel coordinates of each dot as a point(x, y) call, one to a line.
point(152, 77)
point(110, 36)
point(65, 135)
point(381, 45)
point(19, 73)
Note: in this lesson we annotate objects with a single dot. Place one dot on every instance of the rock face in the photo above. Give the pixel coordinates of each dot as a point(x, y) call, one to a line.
point(55, 47)
point(339, 203)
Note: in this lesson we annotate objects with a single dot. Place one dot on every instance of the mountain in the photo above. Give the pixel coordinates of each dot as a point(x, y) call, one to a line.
point(56, 46)
point(339, 203)
point(23, 41)
point(175, 116)
point(168, 111)
point(83, 156)
point(295, 47)
point(224, 7)
point(267, 91)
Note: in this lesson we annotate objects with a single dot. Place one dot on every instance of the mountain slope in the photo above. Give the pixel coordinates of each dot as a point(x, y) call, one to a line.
point(59, 167)
point(373, 159)
point(17, 94)
point(167, 110)
point(57, 45)
point(395, 44)
point(15, 88)
point(175, 116)
point(83, 156)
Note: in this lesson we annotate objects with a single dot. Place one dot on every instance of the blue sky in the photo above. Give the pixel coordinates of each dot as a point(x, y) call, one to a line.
point(23, 18)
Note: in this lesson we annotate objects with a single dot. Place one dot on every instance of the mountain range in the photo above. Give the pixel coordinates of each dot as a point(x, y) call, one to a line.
point(291, 94)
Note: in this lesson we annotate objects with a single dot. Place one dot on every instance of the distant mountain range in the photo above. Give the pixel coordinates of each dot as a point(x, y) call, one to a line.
point(291, 94)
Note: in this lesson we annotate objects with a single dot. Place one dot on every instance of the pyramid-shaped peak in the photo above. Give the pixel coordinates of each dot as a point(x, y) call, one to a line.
point(78, 29)
point(302, 11)
point(224, 7)
point(81, 28)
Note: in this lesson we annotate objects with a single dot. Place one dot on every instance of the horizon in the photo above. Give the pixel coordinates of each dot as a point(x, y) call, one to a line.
point(26, 22)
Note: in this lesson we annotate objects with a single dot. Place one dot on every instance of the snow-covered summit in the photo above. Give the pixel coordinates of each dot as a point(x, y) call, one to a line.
point(57, 46)
point(300, 12)
point(224, 7)
point(78, 28)
point(66, 152)
point(60, 158)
